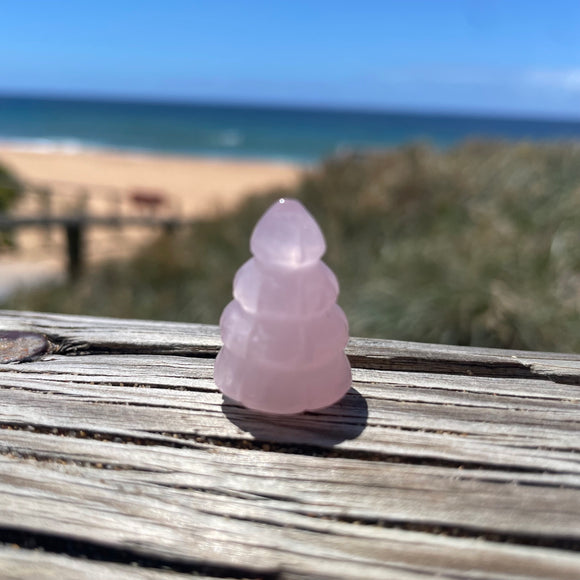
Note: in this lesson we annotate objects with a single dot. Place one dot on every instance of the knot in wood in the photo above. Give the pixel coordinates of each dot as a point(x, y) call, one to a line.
point(18, 346)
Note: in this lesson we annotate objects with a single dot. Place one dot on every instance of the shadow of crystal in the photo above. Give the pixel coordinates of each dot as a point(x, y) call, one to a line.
point(343, 421)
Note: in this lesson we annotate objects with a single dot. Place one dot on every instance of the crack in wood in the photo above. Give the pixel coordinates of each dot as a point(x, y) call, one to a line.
point(68, 348)
point(196, 441)
point(112, 437)
point(503, 369)
point(262, 496)
point(479, 405)
point(466, 390)
point(136, 385)
point(555, 542)
point(14, 453)
point(138, 404)
point(101, 552)
point(563, 449)
point(563, 379)
point(390, 362)
point(431, 365)
point(319, 451)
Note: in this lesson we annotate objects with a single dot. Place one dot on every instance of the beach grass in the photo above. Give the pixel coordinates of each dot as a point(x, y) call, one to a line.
point(477, 245)
point(10, 190)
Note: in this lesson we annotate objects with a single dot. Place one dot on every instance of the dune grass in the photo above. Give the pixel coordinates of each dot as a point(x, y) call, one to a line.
point(479, 245)
point(10, 188)
point(10, 191)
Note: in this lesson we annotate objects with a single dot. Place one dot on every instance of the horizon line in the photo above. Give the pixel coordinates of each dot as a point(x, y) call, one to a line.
point(221, 102)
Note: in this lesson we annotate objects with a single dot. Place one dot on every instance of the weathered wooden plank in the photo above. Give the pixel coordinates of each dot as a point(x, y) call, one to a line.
point(442, 461)
point(85, 392)
point(86, 334)
point(35, 565)
point(89, 335)
point(478, 501)
point(182, 525)
point(442, 417)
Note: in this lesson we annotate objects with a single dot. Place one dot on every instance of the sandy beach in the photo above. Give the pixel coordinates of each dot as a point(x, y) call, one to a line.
point(190, 187)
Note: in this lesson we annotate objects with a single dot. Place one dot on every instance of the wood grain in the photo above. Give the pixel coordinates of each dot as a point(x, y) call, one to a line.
point(16, 563)
point(441, 461)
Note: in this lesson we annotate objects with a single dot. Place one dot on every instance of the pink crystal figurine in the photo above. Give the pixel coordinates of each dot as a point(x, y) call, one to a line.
point(284, 335)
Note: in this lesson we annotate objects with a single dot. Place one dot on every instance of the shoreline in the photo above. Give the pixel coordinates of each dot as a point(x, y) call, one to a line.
point(199, 183)
point(72, 146)
point(189, 186)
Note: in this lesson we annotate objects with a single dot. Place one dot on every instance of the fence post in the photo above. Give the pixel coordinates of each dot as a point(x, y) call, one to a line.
point(45, 198)
point(75, 249)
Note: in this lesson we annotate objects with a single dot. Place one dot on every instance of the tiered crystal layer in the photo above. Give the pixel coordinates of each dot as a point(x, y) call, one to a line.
point(284, 335)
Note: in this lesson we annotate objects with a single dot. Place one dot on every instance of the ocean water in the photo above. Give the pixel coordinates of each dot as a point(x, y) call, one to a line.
point(304, 135)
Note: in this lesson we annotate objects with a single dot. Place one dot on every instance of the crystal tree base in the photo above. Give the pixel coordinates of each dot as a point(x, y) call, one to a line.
point(267, 388)
point(284, 335)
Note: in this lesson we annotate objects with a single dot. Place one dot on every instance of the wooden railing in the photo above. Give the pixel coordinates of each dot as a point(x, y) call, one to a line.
point(77, 217)
point(75, 229)
point(119, 458)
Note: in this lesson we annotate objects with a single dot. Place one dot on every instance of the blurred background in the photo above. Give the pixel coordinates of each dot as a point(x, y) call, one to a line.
point(436, 142)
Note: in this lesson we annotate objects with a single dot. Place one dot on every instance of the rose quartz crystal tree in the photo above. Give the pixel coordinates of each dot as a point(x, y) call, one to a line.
point(284, 335)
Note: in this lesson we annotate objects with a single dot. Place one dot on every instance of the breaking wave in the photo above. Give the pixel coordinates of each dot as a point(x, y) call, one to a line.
point(40, 145)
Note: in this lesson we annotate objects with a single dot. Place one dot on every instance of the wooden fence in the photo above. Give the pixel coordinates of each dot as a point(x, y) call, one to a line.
point(76, 217)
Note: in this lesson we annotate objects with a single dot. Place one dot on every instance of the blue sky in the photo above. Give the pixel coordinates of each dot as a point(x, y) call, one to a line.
point(510, 57)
